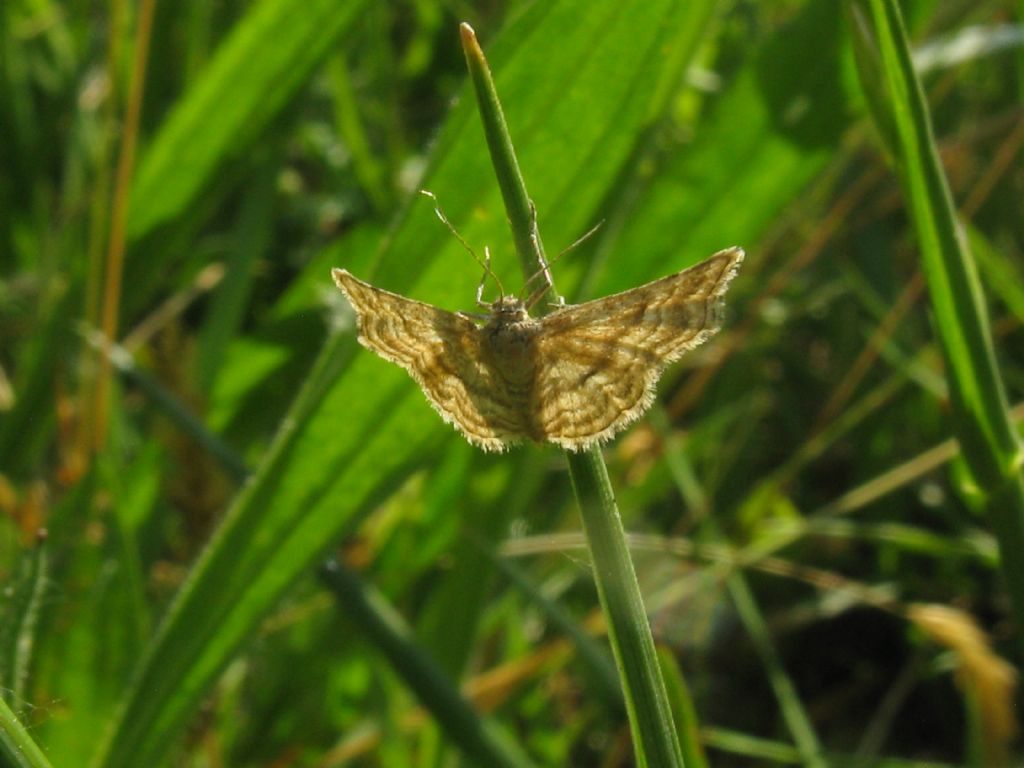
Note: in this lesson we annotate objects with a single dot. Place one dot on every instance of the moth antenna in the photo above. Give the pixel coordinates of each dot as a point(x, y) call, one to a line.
point(579, 240)
point(545, 268)
point(462, 241)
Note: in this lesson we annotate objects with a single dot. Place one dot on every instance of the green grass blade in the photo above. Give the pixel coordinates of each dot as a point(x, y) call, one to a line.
point(983, 426)
point(683, 708)
point(655, 738)
point(24, 427)
point(20, 617)
point(253, 76)
point(449, 622)
point(220, 602)
point(478, 738)
point(601, 673)
point(751, 157)
point(372, 173)
point(177, 412)
point(87, 656)
point(17, 749)
point(228, 302)
point(521, 215)
point(793, 712)
point(999, 271)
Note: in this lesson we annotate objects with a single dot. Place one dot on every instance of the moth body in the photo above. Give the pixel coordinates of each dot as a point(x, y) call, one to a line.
point(574, 377)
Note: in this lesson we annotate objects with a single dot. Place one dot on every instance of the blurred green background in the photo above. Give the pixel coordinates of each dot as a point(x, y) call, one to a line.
point(817, 560)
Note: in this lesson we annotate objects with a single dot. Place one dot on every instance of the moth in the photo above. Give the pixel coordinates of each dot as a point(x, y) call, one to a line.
point(574, 377)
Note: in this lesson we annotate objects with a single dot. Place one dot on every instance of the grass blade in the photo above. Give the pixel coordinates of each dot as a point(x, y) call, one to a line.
point(267, 58)
point(477, 737)
point(17, 748)
point(655, 739)
point(982, 422)
point(23, 597)
point(789, 702)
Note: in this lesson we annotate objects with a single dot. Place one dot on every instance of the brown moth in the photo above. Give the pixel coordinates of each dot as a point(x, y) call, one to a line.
point(573, 377)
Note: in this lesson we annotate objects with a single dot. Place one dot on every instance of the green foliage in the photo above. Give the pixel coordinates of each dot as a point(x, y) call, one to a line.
point(792, 495)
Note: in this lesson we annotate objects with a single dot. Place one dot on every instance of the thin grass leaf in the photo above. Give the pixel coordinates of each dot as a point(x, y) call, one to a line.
point(176, 411)
point(1004, 276)
point(255, 73)
point(478, 738)
point(449, 621)
point(792, 710)
point(371, 172)
point(982, 422)
point(19, 619)
point(228, 302)
point(86, 655)
point(602, 675)
point(23, 429)
point(17, 749)
point(739, 743)
point(683, 710)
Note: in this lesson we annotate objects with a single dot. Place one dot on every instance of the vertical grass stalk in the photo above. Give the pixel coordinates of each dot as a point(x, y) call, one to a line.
point(655, 739)
point(981, 417)
point(23, 598)
point(116, 239)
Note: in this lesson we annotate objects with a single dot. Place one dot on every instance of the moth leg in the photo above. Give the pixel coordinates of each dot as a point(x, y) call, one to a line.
point(476, 317)
point(483, 279)
point(538, 252)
